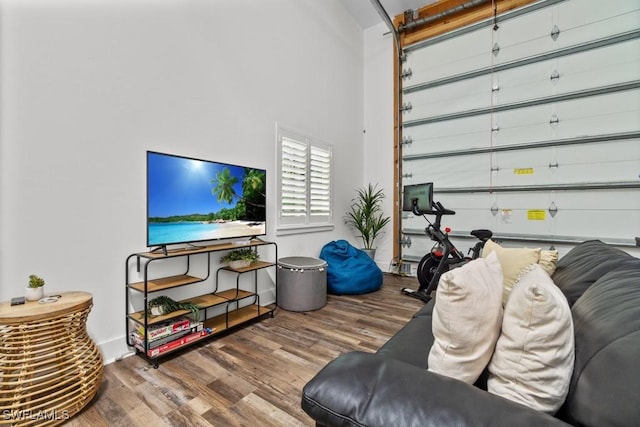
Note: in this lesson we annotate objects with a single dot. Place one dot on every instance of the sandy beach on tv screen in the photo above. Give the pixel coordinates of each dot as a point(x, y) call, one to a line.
point(232, 229)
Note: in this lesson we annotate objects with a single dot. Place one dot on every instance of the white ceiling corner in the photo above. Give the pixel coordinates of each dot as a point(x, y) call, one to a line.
point(367, 16)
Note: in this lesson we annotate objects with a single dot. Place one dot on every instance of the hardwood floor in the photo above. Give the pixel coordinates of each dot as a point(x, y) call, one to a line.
point(253, 376)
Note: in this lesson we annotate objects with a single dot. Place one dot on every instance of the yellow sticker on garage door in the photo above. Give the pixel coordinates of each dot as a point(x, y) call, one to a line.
point(523, 171)
point(536, 215)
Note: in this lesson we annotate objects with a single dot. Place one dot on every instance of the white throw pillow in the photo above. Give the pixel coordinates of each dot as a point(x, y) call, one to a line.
point(533, 360)
point(513, 261)
point(466, 319)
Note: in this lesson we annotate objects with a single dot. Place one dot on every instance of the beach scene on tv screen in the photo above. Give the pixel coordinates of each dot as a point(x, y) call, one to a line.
point(192, 200)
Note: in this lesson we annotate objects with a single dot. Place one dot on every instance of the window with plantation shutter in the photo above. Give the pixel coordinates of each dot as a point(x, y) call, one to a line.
point(304, 183)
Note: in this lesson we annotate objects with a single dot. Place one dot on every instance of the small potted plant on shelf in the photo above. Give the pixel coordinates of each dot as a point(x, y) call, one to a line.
point(240, 258)
point(163, 305)
point(367, 217)
point(35, 288)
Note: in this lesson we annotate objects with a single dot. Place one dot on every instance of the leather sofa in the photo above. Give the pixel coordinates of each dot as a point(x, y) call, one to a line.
point(393, 387)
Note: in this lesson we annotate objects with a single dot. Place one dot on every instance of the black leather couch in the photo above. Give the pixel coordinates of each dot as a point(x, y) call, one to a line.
point(393, 388)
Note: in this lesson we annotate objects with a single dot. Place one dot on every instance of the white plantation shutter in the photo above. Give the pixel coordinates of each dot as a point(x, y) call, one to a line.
point(320, 184)
point(294, 178)
point(304, 186)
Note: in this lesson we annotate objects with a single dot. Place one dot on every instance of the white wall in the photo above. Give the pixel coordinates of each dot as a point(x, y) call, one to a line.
point(378, 126)
point(87, 86)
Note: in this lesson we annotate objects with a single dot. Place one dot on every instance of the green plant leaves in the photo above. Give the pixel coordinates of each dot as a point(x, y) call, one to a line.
point(366, 214)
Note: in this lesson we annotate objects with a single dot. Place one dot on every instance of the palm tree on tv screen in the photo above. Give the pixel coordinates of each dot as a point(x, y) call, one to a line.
point(252, 203)
point(224, 183)
point(254, 194)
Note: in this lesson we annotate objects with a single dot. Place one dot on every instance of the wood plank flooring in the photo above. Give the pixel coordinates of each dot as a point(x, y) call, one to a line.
point(253, 376)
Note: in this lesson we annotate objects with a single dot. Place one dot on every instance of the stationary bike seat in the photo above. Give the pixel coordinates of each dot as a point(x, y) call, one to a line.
point(482, 234)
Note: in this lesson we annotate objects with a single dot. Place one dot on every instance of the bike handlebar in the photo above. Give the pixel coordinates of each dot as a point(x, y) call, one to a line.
point(436, 209)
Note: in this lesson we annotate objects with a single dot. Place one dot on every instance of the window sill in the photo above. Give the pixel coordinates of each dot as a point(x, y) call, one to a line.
point(300, 229)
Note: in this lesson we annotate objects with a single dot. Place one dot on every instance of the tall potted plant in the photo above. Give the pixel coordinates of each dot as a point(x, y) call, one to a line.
point(367, 216)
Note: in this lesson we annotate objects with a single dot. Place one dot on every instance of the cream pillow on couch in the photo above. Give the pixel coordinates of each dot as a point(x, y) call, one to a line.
point(513, 261)
point(467, 317)
point(533, 359)
point(548, 261)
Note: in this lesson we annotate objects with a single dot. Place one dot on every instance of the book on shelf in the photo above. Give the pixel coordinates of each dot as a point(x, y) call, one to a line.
point(177, 343)
point(138, 339)
point(166, 328)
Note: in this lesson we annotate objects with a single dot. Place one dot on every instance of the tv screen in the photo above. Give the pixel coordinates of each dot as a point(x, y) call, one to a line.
point(423, 193)
point(192, 200)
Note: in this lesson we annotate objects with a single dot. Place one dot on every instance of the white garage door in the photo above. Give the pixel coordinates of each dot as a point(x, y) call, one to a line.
point(530, 127)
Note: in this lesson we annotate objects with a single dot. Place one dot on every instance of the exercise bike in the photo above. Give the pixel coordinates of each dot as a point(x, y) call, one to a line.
point(444, 255)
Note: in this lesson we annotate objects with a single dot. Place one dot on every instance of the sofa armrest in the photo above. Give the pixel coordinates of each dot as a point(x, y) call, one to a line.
point(363, 389)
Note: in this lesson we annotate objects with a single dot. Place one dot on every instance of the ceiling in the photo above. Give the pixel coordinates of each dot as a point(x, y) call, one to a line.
point(367, 16)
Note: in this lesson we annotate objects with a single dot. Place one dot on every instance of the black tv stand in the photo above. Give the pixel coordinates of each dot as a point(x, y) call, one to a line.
point(161, 248)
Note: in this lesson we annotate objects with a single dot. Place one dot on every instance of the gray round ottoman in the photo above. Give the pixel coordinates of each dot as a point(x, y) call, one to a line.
point(302, 283)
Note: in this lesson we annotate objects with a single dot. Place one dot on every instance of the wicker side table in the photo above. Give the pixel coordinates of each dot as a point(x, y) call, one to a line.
point(49, 366)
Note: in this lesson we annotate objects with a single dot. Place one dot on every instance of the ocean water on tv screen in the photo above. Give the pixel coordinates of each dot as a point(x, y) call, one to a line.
point(179, 232)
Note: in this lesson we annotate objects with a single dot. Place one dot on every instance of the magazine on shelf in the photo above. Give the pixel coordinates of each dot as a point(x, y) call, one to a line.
point(165, 329)
point(138, 339)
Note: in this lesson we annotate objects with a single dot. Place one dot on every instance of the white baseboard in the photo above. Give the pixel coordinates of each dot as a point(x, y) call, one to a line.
point(114, 350)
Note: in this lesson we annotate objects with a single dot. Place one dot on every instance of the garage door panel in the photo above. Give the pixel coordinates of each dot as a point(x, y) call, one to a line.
point(593, 19)
point(515, 169)
point(455, 56)
point(524, 83)
point(600, 67)
point(472, 211)
point(446, 99)
point(524, 36)
point(603, 114)
point(601, 152)
point(469, 132)
point(464, 171)
point(523, 213)
point(530, 124)
point(618, 224)
point(602, 162)
point(607, 214)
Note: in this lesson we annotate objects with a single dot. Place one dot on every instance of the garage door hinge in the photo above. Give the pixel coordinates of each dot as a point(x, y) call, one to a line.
point(406, 106)
point(554, 120)
point(406, 74)
point(555, 76)
point(405, 241)
point(553, 210)
point(407, 175)
point(496, 49)
point(555, 32)
point(406, 140)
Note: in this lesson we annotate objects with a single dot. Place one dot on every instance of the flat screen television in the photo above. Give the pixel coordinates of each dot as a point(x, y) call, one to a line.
point(193, 200)
point(422, 193)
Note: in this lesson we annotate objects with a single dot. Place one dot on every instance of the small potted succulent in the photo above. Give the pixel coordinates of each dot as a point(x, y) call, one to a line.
point(240, 258)
point(163, 305)
point(35, 288)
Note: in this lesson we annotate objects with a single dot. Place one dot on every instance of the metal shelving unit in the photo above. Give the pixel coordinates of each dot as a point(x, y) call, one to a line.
point(228, 300)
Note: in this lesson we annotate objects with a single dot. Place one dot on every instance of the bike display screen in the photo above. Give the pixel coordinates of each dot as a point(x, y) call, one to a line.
point(422, 193)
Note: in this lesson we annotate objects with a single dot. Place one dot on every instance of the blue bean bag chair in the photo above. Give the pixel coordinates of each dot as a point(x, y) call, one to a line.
point(350, 271)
